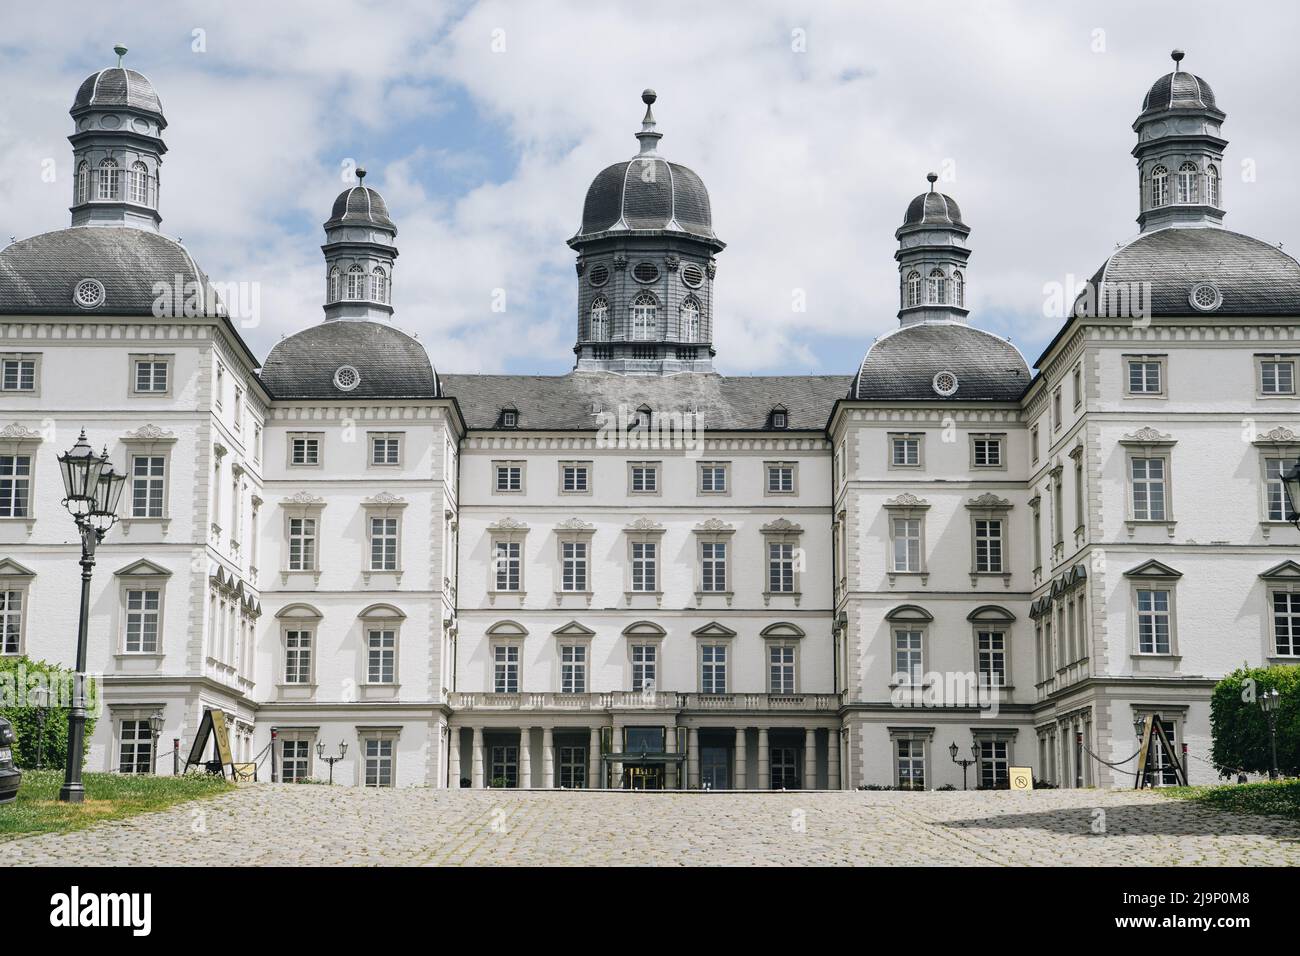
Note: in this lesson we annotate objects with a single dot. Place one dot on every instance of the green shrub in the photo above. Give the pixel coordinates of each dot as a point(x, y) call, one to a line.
point(1240, 730)
point(19, 676)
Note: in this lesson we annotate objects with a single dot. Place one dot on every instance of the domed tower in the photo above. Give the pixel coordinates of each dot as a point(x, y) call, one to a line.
point(932, 256)
point(117, 149)
point(646, 265)
point(359, 253)
point(1179, 152)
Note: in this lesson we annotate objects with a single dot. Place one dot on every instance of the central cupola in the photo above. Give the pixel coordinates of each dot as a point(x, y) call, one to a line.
point(360, 248)
point(932, 255)
point(646, 265)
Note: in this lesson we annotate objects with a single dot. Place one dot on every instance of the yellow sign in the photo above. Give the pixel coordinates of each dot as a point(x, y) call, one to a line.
point(1022, 778)
point(245, 771)
point(223, 736)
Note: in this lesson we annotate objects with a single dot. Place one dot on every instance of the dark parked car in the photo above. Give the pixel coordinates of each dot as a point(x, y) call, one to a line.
point(10, 778)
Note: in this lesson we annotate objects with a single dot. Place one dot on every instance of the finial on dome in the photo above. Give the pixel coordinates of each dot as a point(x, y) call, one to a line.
point(1177, 57)
point(648, 137)
point(932, 178)
point(361, 174)
point(120, 50)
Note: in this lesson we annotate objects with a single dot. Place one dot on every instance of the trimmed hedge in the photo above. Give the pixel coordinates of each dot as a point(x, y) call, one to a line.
point(19, 676)
point(1241, 738)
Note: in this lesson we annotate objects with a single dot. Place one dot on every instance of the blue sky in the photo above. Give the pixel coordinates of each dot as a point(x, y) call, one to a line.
point(812, 124)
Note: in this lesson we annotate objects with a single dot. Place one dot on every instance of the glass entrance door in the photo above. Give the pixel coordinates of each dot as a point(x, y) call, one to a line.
point(715, 769)
point(643, 777)
point(785, 768)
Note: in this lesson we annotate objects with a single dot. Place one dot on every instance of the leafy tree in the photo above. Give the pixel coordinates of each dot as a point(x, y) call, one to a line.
point(19, 678)
point(1240, 729)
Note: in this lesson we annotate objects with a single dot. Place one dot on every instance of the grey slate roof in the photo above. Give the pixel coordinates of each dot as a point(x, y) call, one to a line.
point(932, 207)
point(647, 193)
point(568, 402)
point(1252, 276)
point(1180, 90)
point(360, 204)
point(38, 275)
point(901, 366)
point(391, 363)
point(117, 86)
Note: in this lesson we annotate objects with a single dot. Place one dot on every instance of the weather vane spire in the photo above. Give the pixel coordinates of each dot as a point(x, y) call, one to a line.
point(648, 136)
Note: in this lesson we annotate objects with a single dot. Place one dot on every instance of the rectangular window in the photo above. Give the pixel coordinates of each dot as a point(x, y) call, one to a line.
point(302, 544)
point(147, 486)
point(1144, 376)
point(644, 479)
point(1277, 377)
point(992, 651)
point(573, 767)
point(142, 606)
point(381, 656)
point(573, 669)
point(573, 572)
point(18, 374)
point(988, 546)
point(780, 478)
point(1078, 385)
point(994, 764)
point(1056, 408)
point(509, 477)
point(780, 567)
point(11, 622)
point(508, 565)
point(1153, 621)
point(304, 450)
point(505, 767)
point(644, 574)
point(909, 755)
point(713, 669)
point(575, 479)
point(1286, 623)
point(15, 486)
point(907, 657)
point(1279, 503)
point(780, 669)
point(379, 762)
point(986, 452)
point(383, 544)
point(713, 478)
point(385, 450)
point(907, 544)
point(297, 657)
point(151, 376)
point(713, 566)
point(295, 760)
point(136, 753)
point(505, 668)
point(1033, 444)
point(645, 658)
point(1148, 475)
point(906, 451)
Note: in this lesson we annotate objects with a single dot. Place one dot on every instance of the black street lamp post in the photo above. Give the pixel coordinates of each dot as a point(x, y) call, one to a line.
point(92, 491)
point(1269, 701)
point(156, 725)
point(963, 763)
point(41, 701)
point(320, 752)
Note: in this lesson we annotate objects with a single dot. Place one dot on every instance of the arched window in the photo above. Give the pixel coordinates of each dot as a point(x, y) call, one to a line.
point(138, 183)
point(1159, 187)
point(83, 182)
point(356, 283)
point(1212, 186)
point(936, 288)
point(1187, 176)
point(645, 323)
point(332, 285)
point(959, 289)
point(690, 321)
point(379, 285)
point(108, 176)
point(913, 289)
point(599, 331)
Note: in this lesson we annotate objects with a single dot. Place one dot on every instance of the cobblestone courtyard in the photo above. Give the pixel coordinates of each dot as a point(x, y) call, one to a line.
point(264, 824)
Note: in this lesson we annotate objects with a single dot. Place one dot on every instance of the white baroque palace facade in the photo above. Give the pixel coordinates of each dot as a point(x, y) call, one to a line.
point(643, 573)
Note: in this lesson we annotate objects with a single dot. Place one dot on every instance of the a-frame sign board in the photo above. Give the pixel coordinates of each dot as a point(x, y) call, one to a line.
point(214, 724)
point(1146, 754)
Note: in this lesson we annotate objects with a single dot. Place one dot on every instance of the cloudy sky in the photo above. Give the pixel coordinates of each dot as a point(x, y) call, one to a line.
point(812, 124)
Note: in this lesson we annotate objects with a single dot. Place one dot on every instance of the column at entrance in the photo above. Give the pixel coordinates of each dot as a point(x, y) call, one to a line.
point(810, 759)
point(548, 758)
point(740, 759)
point(670, 768)
point(764, 756)
point(593, 761)
point(693, 759)
point(615, 766)
point(453, 757)
point(477, 778)
point(833, 759)
point(525, 758)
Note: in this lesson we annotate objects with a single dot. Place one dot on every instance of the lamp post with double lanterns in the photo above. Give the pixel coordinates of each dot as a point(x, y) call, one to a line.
point(1269, 701)
point(953, 750)
point(92, 491)
point(320, 752)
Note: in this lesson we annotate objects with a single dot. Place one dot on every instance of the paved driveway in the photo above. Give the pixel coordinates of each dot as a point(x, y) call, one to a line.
point(287, 825)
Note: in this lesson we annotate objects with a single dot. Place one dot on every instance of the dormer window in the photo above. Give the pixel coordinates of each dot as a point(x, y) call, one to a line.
point(1187, 176)
point(1159, 187)
point(779, 417)
point(935, 288)
point(509, 417)
point(913, 289)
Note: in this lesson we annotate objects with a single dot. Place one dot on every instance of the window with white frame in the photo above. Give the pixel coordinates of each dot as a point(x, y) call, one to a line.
point(1153, 621)
point(135, 747)
point(151, 375)
point(988, 545)
point(504, 766)
point(379, 285)
point(780, 477)
point(573, 566)
point(645, 324)
point(304, 450)
point(991, 649)
point(780, 668)
point(18, 373)
point(1188, 178)
point(509, 477)
point(644, 478)
point(1278, 501)
point(1148, 480)
point(572, 767)
point(690, 321)
point(147, 485)
point(644, 566)
point(1159, 187)
point(713, 669)
point(11, 620)
point(599, 330)
point(109, 177)
point(1145, 375)
point(909, 762)
point(298, 655)
point(986, 451)
point(958, 290)
point(936, 288)
point(645, 660)
point(995, 764)
point(907, 656)
point(83, 182)
point(379, 761)
point(1077, 390)
point(713, 566)
point(302, 544)
point(508, 562)
point(1286, 623)
point(780, 567)
point(138, 184)
point(356, 283)
point(905, 451)
point(143, 610)
point(15, 486)
point(505, 668)
point(1212, 185)
point(713, 477)
point(573, 668)
point(907, 544)
point(1277, 376)
point(385, 449)
point(383, 543)
point(575, 478)
point(295, 760)
point(381, 655)
point(913, 284)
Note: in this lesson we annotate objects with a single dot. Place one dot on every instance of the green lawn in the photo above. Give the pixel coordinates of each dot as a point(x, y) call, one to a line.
point(1282, 797)
point(109, 796)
